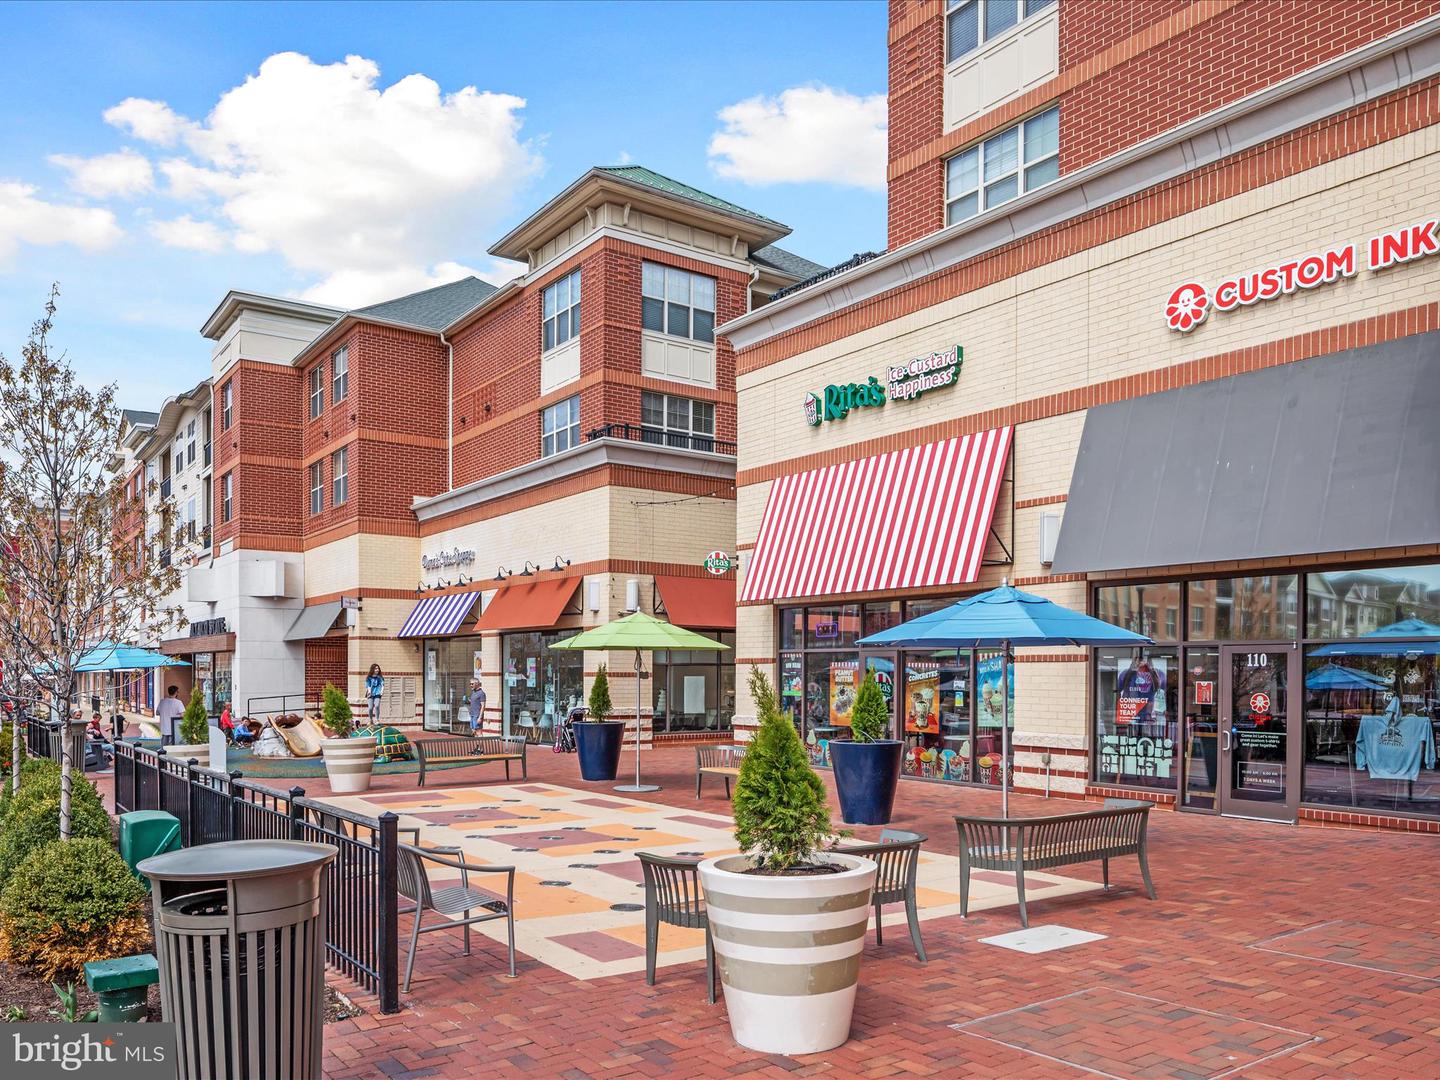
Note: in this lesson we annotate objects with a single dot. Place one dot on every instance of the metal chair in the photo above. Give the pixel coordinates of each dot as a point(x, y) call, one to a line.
point(672, 895)
point(460, 899)
point(897, 859)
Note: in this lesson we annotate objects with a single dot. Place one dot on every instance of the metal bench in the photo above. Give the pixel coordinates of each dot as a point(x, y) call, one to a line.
point(477, 751)
point(722, 761)
point(1039, 843)
point(897, 861)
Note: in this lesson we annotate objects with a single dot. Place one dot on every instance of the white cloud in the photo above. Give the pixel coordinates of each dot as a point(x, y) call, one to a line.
point(806, 134)
point(124, 174)
point(24, 219)
point(366, 189)
point(187, 233)
point(356, 288)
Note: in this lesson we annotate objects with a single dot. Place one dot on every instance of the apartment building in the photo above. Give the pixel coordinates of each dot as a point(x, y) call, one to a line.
point(1156, 337)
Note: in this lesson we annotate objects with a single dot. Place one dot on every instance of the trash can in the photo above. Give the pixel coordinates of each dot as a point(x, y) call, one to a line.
point(144, 833)
point(240, 933)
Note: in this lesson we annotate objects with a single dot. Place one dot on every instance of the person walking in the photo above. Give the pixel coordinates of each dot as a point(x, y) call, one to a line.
point(168, 712)
point(374, 687)
point(477, 706)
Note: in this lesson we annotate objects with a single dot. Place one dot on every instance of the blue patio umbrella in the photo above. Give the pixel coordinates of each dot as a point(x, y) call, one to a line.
point(108, 656)
point(1001, 619)
point(1338, 677)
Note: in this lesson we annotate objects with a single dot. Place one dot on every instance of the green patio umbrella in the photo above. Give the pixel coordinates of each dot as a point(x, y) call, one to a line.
point(638, 631)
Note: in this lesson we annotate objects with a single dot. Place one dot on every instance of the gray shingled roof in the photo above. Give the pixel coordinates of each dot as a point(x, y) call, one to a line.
point(787, 262)
point(434, 308)
point(140, 417)
point(650, 178)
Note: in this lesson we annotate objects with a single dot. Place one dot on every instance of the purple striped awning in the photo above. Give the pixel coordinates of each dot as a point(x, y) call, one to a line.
point(436, 616)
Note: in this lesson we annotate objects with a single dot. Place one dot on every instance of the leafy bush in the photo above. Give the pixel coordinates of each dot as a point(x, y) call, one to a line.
point(40, 778)
point(68, 903)
point(31, 770)
point(195, 724)
point(335, 709)
point(600, 705)
point(780, 811)
point(869, 716)
point(33, 820)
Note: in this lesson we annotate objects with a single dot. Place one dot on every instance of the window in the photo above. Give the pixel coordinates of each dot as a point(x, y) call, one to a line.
point(189, 519)
point(677, 421)
point(1388, 602)
point(694, 690)
point(317, 391)
point(562, 311)
point(339, 374)
point(340, 470)
point(317, 488)
point(969, 22)
point(1017, 160)
point(1137, 701)
point(677, 302)
point(227, 401)
point(1137, 608)
point(227, 497)
point(209, 427)
point(1245, 608)
point(560, 426)
point(179, 458)
point(190, 443)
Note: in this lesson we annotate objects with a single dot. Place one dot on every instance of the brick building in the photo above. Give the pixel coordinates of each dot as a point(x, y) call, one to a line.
point(1156, 337)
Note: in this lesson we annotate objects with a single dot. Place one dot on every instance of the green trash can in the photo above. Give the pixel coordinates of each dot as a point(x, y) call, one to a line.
point(147, 832)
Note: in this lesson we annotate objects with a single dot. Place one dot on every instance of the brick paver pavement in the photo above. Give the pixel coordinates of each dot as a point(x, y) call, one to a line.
point(1272, 952)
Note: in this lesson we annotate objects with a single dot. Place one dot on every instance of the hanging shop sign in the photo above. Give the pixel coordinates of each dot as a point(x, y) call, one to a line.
point(903, 382)
point(718, 563)
point(1190, 303)
point(442, 559)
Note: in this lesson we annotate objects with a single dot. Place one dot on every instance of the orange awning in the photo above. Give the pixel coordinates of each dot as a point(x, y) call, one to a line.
point(535, 605)
point(706, 603)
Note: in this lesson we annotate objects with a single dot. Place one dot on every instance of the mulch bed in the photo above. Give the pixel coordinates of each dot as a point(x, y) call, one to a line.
point(35, 997)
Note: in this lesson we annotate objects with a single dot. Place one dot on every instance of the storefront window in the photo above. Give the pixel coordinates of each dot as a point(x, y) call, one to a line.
point(1202, 727)
point(1137, 702)
point(1152, 609)
point(1244, 608)
point(831, 682)
point(991, 708)
point(936, 705)
point(833, 627)
point(694, 690)
point(1394, 602)
point(1372, 721)
point(450, 664)
point(541, 685)
point(221, 680)
point(881, 617)
point(792, 688)
point(792, 628)
point(204, 676)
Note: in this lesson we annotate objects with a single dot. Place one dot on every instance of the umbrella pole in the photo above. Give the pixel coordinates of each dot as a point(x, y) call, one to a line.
point(637, 786)
point(1005, 732)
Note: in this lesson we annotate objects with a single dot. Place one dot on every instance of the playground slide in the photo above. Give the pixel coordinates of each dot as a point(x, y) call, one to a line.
point(303, 739)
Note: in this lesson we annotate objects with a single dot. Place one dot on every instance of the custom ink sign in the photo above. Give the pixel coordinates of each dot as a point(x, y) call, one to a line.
point(903, 382)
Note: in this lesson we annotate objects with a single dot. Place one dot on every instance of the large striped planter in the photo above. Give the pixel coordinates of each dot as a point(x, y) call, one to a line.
point(789, 950)
point(349, 762)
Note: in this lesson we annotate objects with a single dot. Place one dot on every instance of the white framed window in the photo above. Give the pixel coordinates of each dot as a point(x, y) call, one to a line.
point(227, 402)
point(227, 497)
point(970, 23)
point(339, 374)
point(317, 391)
point(677, 421)
point(317, 487)
point(677, 302)
point(1016, 160)
point(340, 470)
point(190, 443)
point(179, 459)
point(189, 518)
point(560, 426)
point(561, 311)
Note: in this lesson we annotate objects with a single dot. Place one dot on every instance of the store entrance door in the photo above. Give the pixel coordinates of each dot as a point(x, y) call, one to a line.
point(1259, 743)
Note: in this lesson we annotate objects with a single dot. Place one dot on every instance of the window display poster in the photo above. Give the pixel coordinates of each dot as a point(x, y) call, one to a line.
point(844, 684)
point(694, 694)
point(987, 680)
point(532, 665)
point(1140, 691)
point(479, 667)
point(922, 698)
point(792, 677)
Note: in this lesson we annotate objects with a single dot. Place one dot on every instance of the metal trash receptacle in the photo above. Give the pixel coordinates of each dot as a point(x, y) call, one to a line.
point(240, 933)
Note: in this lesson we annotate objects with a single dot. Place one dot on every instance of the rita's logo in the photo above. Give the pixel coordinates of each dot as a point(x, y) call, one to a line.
point(1187, 307)
point(812, 409)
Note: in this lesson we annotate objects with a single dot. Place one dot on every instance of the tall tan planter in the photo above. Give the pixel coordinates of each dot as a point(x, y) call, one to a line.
point(349, 763)
point(185, 751)
point(789, 950)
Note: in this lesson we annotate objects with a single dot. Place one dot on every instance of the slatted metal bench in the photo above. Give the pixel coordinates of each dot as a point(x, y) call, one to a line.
point(1040, 843)
point(475, 751)
point(722, 761)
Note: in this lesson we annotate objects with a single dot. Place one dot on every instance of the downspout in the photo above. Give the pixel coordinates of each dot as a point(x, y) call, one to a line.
point(750, 290)
point(449, 413)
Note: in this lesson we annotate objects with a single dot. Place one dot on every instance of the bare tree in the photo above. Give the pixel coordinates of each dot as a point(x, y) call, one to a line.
point(69, 581)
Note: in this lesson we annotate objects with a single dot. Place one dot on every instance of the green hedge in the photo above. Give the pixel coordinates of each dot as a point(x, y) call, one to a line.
point(33, 820)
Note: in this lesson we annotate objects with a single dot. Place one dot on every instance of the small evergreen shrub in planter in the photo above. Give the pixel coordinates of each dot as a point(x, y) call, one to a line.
point(194, 732)
point(598, 740)
point(68, 903)
point(349, 758)
point(33, 820)
point(867, 768)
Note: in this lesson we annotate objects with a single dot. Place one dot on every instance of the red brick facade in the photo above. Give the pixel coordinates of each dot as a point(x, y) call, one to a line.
point(261, 450)
point(325, 662)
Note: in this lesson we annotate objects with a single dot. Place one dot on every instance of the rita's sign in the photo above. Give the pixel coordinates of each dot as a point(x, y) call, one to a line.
point(1191, 302)
point(903, 382)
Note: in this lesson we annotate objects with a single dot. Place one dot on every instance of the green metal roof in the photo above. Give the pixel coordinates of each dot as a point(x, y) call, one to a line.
point(638, 174)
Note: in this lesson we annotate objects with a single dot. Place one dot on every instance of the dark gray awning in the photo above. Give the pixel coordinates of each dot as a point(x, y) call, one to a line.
point(1336, 453)
point(313, 622)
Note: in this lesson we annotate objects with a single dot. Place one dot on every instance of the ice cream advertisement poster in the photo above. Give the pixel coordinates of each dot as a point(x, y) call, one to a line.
point(844, 684)
point(922, 699)
point(991, 705)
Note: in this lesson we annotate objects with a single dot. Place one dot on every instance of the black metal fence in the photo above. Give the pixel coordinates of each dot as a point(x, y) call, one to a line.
point(361, 931)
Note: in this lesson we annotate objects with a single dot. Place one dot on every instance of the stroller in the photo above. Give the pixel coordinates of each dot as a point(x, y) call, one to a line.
point(565, 731)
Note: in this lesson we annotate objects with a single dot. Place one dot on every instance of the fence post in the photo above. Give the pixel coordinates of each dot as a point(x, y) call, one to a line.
point(297, 813)
point(134, 780)
point(159, 778)
point(235, 800)
point(389, 925)
point(190, 803)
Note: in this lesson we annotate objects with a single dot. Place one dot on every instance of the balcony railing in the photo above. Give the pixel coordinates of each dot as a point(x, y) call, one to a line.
point(681, 440)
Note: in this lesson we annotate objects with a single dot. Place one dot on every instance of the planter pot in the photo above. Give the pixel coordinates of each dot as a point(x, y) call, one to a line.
point(185, 751)
point(598, 744)
point(789, 950)
point(866, 775)
point(348, 763)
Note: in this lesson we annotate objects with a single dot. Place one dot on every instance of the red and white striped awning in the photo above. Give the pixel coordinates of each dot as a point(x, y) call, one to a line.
point(900, 520)
point(438, 616)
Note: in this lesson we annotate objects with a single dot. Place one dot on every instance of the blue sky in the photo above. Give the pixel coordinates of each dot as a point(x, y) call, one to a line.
point(155, 156)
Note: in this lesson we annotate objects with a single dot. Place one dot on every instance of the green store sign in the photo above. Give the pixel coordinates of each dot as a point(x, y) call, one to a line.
point(903, 382)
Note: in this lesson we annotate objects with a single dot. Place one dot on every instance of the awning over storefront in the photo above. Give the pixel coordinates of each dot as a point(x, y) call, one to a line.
point(912, 517)
point(315, 621)
point(436, 616)
point(535, 605)
point(1337, 453)
point(698, 603)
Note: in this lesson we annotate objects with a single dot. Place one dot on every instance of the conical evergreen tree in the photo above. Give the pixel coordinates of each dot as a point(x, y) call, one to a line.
point(600, 705)
point(870, 716)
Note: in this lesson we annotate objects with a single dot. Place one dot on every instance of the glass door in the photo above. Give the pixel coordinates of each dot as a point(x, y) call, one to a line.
point(882, 666)
point(1259, 761)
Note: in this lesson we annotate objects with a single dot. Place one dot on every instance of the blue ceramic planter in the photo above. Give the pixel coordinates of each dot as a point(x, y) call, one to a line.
point(866, 776)
point(599, 747)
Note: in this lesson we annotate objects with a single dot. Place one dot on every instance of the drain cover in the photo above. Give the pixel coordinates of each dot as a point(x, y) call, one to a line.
point(556, 884)
point(583, 865)
point(628, 907)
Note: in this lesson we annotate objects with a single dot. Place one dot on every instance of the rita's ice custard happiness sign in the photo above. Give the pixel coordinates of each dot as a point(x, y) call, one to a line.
point(903, 382)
